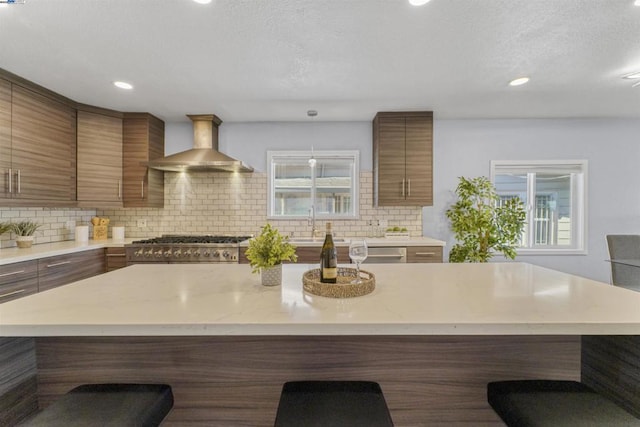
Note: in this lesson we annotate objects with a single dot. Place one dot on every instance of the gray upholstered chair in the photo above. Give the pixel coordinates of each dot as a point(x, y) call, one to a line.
point(550, 403)
point(624, 246)
point(107, 405)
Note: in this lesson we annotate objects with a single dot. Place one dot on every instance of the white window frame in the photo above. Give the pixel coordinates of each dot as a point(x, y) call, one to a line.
point(352, 155)
point(579, 203)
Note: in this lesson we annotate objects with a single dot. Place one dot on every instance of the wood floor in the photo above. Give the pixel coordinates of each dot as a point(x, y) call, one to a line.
point(236, 381)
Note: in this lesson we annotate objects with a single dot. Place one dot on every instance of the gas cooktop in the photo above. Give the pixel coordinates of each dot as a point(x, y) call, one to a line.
point(174, 240)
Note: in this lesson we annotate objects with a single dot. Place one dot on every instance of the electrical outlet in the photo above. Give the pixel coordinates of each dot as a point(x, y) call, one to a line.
point(71, 225)
point(142, 222)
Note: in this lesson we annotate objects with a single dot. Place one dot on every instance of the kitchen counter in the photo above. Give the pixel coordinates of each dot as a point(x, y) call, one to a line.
point(409, 299)
point(432, 335)
point(15, 254)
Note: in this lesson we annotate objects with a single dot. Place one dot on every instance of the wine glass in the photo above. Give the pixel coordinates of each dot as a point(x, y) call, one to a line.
point(358, 252)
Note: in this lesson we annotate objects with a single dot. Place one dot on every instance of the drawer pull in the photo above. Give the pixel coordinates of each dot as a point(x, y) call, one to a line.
point(57, 264)
point(8, 294)
point(425, 253)
point(12, 273)
point(117, 255)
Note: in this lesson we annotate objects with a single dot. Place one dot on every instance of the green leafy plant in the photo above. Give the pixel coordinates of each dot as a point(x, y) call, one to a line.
point(481, 224)
point(4, 227)
point(269, 249)
point(24, 228)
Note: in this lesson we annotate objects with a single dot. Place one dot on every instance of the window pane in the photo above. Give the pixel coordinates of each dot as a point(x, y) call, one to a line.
point(292, 189)
point(510, 185)
point(552, 212)
point(333, 187)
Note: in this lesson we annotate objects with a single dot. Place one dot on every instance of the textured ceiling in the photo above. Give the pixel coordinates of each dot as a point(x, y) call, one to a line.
point(272, 60)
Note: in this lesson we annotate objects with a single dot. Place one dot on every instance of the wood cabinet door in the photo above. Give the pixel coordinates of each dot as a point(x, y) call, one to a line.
point(99, 158)
point(43, 149)
point(5, 136)
point(389, 148)
point(419, 160)
point(63, 269)
point(143, 140)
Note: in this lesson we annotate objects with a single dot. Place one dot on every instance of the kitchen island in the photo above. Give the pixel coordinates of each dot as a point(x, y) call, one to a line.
point(432, 335)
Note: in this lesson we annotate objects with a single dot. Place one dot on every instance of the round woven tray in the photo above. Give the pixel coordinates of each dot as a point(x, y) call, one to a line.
point(343, 288)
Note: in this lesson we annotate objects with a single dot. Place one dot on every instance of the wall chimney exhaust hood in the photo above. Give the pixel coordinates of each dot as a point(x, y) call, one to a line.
point(204, 156)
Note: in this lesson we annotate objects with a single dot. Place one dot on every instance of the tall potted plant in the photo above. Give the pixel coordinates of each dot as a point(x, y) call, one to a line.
point(24, 231)
point(266, 253)
point(481, 224)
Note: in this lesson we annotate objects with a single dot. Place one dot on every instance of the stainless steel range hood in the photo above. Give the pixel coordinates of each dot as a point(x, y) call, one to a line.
point(204, 156)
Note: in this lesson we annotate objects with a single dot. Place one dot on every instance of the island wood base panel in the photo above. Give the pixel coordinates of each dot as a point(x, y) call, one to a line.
point(236, 381)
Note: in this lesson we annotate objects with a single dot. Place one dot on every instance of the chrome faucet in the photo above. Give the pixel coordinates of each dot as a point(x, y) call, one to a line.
point(312, 221)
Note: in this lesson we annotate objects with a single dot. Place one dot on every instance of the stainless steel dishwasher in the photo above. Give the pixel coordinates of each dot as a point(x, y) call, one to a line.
point(386, 255)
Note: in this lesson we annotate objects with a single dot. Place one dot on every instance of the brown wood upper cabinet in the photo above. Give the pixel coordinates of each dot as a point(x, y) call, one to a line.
point(403, 159)
point(99, 157)
point(37, 147)
point(143, 138)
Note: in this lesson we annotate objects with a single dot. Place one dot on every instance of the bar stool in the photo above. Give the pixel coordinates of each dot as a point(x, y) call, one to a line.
point(332, 403)
point(89, 405)
point(543, 403)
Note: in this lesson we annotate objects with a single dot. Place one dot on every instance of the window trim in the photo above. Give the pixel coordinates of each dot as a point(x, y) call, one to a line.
point(579, 198)
point(328, 154)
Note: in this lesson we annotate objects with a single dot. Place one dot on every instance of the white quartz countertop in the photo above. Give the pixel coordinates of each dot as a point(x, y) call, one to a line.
point(15, 254)
point(409, 299)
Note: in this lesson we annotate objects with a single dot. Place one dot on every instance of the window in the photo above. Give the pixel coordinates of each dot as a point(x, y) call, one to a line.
point(330, 187)
point(554, 193)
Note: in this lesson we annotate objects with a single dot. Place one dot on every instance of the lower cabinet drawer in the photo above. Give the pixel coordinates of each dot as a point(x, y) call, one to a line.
point(63, 269)
point(115, 258)
point(18, 280)
point(425, 254)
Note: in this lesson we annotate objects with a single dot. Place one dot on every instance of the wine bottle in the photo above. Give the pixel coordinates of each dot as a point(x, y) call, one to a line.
point(328, 259)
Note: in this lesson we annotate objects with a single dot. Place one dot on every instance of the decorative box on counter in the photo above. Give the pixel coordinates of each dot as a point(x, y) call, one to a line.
point(100, 228)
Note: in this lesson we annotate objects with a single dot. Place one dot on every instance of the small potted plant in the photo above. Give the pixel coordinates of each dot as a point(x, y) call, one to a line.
point(266, 253)
point(24, 231)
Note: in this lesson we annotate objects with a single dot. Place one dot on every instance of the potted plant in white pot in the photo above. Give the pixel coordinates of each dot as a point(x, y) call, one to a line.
point(266, 253)
point(24, 231)
point(481, 224)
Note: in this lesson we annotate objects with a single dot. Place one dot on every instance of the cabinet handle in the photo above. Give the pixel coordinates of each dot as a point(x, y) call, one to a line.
point(57, 264)
point(142, 192)
point(425, 253)
point(119, 189)
point(12, 273)
point(8, 294)
point(409, 187)
point(116, 255)
point(402, 187)
point(385, 256)
point(18, 174)
point(10, 180)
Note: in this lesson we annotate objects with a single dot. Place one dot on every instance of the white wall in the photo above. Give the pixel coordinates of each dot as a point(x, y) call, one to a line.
point(465, 147)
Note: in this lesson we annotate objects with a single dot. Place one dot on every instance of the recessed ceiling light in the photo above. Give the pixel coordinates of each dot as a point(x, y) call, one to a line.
point(636, 3)
point(519, 81)
point(419, 2)
point(202, 1)
point(123, 85)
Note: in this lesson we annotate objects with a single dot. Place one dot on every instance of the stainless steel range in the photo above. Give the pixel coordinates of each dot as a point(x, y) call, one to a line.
point(185, 249)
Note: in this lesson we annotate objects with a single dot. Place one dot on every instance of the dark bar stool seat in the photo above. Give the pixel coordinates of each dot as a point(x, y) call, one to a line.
point(114, 405)
point(542, 403)
point(332, 403)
